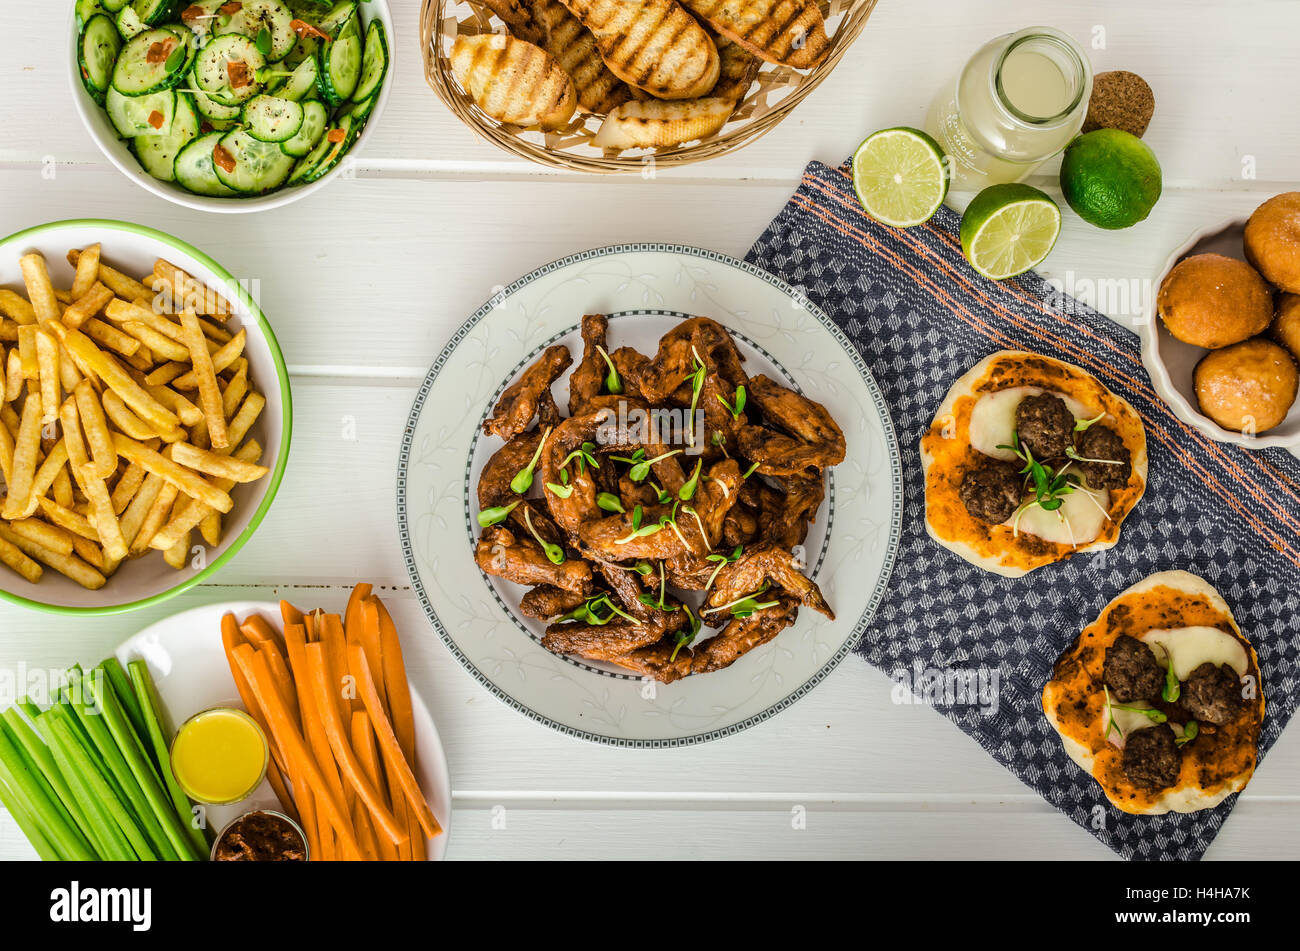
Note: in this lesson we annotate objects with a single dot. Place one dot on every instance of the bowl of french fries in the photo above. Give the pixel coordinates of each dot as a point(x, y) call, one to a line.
point(623, 85)
point(145, 417)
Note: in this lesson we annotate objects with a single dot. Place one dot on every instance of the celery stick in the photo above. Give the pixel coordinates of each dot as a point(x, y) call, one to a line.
point(122, 690)
point(106, 750)
point(40, 754)
point(116, 827)
point(151, 706)
point(36, 765)
point(15, 774)
point(141, 766)
point(28, 825)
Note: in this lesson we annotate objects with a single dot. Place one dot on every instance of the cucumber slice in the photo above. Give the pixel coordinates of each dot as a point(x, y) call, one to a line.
point(272, 119)
point(268, 24)
point(112, 6)
point(154, 12)
point(195, 171)
point(96, 54)
point(302, 83)
point(201, 17)
point(333, 155)
point(129, 23)
point(314, 119)
point(211, 73)
point(250, 166)
point(152, 61)
point(131, 115)
point(374, 65)
point(340, 63)
point(210, 109)
point(336, 17)
point(360, 111)
point(86, 11)
point(325, 151)
point(157, 153)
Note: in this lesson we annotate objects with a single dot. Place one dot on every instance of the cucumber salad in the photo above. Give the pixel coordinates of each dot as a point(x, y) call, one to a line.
point(233, 98)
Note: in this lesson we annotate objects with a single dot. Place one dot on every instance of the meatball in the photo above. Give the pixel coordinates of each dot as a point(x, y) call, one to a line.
point(1152, 759)
point(1102, 442)
point(1131, 671)
point(1045, 425)
point(991, 492)
point(1212, 694)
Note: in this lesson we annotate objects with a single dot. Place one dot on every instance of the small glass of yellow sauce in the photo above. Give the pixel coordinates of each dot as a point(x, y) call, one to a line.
point(219, 756)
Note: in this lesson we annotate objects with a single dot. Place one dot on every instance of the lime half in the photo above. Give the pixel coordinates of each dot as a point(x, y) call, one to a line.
point(1009, 229)
point(899, 176)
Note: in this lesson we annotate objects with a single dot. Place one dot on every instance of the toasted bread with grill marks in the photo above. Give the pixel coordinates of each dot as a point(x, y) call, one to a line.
point(574, 48)
point(519, 19)
point(738, 68)
point(660, 124)
point(788, 32)
point(514, 81)
point(652, 44)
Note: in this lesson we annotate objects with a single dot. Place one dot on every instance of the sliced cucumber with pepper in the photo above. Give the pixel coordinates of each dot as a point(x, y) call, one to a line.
point(86, 11)
point(374, 64)
point(209, 108)
point(157, 153)
point(129, 23)
point(141, 115)
point(112, 6)
point(272, 119)
point(339, 62)
point(152, 61)
point(326, 155)
point(212, 69)
point(153, 12)
point(195, 171)
point(300, 84)
point(250, 166)
point(314, 120)
point(96, 53)
point(336, 17)
point(267, 23)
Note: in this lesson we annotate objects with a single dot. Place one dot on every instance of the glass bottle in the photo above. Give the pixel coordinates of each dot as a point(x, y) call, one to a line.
point(1020, 100)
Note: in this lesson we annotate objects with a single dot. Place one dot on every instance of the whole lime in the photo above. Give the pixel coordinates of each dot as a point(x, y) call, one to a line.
point(1110, 178)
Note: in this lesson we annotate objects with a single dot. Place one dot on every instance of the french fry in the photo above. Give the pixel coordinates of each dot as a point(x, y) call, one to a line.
point(73, 440)
point(234, 393)
point(206, 376)
point(90, 410)
point(31, 365)
point(8, 330)
point(222, 359)
point(26, 445)
point(188, 293)
point(106, 523)
point(133, 425)
point(127, 486)
point(47, 359)
point(118, 379)
point(215, 334)
point(243, 421)
point(13, 558)
point(42, 533)
point(165, 373)
point(184, 479)
point(106, 335)
point(194, 511)
point(47, 474)
point(68, 520)
point(178, 555)
point(14, 306)
point(68, 565)
point(217, 464)
point(87, 305)
point(68, 372)
point(87, 275)
point(147, 513)
point(211, 529)
point(13, 376)
point(61, 489)
point(156, 342)
point(40, 292)
point(190, 415)
point(119, 283)
point(90, 552)
point(6, 454)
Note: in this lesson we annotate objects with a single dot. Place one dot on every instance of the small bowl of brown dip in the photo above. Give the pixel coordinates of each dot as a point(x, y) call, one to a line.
point(261, 836)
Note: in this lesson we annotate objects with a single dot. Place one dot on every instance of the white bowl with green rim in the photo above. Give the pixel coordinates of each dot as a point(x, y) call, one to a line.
point(118, 150)
point(131, 248)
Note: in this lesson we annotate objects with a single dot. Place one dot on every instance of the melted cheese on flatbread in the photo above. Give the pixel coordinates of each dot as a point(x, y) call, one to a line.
point(993, 418)
point(1219, 762)
point(1190, 647)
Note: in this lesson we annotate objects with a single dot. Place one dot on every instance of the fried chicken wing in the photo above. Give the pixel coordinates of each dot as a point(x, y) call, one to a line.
point(519, 403)
point(494, 487)
point(806, 440)
point(545, 602)
point(742, 635)
point(766, 562)
point(521, 560)
point(588, 378)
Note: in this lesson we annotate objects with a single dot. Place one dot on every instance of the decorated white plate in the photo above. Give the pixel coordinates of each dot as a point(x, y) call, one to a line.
point(645, 290)
point(188, 665)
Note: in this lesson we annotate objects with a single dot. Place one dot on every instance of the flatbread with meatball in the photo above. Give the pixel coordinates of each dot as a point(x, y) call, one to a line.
point(1160, 698)
point(1028, 461)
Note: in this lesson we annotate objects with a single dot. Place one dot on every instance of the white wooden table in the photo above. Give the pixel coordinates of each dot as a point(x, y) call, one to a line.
point(365, 280)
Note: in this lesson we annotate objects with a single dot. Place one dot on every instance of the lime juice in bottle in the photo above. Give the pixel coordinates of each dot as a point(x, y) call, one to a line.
point(1019, 100)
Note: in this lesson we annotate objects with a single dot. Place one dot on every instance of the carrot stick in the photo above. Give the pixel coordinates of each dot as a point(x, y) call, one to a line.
point(369, 638)
point(231, 638)
point(393, 758)
point(259, 631)
point(335, 643)
point(295, 643)
point(380, 644)
point(397, 687)
point(307, 810)
point(276, 780)
point(343, 754)
point(363, 743)
point(289, 613)
point(259, 678)
point(352, 616)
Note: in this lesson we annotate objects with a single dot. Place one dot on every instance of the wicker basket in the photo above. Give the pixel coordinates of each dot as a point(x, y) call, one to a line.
point(775, 93)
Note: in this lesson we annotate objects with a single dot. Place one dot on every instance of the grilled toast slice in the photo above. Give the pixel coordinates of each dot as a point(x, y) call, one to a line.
point(660, 124)
point(514, 81)
point(788, 32)
point(738, 68)
point(518, 17)
point(652, 44)
point(574, 48)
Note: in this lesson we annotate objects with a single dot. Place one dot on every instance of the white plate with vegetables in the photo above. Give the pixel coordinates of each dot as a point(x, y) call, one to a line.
point(230, 105)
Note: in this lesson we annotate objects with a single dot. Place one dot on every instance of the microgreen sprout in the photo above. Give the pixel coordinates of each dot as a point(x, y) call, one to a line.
point(610, 503)
point(1080, 425)
point(746, 606)
point(1172, 690)
point(723, 561)
point(687, 490)
point(651, 601)
point(586, 453)
point(612, 382)
point(1190, 731)
point(523, 480)
point(497, 514)
point(638, 530)
point(687, 636)
point(554, 553)
point(735, 409)
point(750, 471)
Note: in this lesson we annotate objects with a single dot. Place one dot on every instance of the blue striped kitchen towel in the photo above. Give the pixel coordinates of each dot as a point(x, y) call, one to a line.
point(921, 316)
